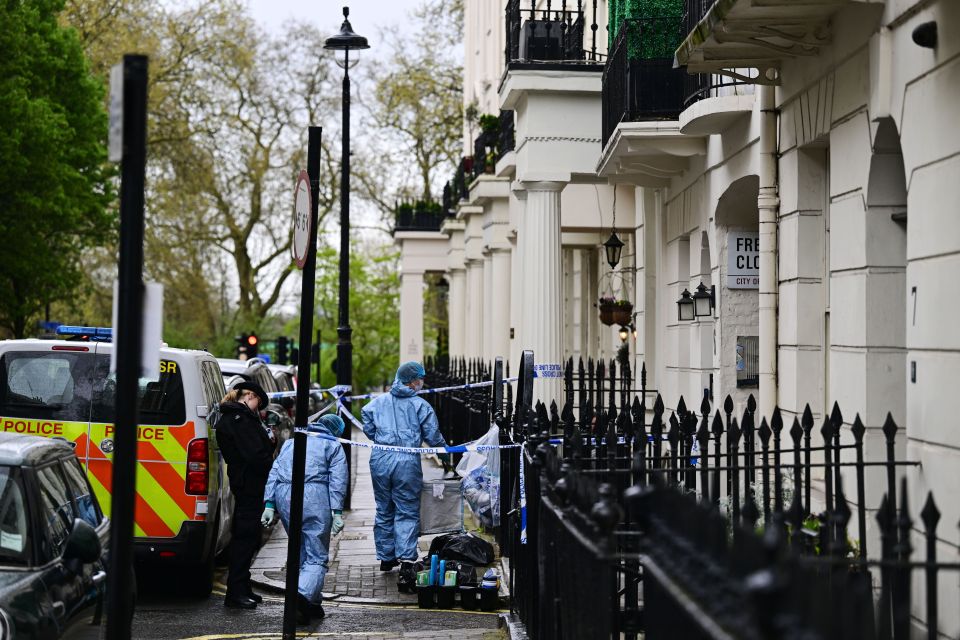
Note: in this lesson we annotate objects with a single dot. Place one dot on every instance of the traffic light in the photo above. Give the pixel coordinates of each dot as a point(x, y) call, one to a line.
point(282, 346)
point(253, 345)
point(241, 346)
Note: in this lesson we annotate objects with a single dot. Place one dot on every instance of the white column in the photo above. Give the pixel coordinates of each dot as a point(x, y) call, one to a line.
point(486, 348)
point(474, 309)
point(500, 266)
point(768, 204)
point(456, 312)
point(542, 283)
point(411, 316)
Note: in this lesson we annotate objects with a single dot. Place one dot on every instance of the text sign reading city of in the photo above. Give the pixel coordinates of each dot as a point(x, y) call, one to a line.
point(301, 219)
point(743, 260)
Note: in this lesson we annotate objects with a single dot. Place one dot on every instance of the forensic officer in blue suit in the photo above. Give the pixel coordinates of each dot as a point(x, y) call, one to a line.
point(326, 484)
point(399, 418)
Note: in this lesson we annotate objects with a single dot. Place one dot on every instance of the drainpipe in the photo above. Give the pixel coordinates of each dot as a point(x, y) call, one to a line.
point(768, 204)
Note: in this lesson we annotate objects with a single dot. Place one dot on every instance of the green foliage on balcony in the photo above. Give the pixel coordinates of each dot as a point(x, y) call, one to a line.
point(654, 28)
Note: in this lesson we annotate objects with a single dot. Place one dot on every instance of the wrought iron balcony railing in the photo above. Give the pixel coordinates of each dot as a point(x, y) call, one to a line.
point(559, 32)
point(507, 140)
point(418, 216)
point(639, 81)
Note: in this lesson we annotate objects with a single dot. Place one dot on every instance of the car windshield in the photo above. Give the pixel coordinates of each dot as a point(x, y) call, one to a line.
point(161, 399)
point(14, 530)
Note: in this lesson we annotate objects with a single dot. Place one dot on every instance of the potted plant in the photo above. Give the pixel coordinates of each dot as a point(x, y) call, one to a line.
point(490, 166)
point(613, 311)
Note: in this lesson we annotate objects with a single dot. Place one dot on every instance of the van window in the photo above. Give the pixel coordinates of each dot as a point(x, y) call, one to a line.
point(161, 400)
point(46, 384)
point(87, 508)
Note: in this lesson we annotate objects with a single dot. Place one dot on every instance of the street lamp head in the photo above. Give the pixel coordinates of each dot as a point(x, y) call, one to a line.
point(624, 333)
point(346, 40)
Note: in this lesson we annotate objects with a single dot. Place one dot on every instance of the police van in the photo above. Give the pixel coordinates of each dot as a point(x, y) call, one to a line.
point(63, 388)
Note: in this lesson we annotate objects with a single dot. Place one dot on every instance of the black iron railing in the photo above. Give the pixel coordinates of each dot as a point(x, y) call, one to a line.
point(507, 139)
point(419, 216)
point(562, 31)
point(702, 524)
point(639, 81)
point(694, 12)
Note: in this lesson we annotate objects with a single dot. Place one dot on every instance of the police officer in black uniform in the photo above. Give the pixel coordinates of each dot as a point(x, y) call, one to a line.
point(248, 452)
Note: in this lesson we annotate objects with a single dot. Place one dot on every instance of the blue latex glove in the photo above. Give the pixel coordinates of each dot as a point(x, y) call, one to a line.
point(337, 526)
point(269, 517)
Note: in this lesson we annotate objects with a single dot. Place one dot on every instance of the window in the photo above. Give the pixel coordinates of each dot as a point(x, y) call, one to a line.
point(748, 361)
point(87, 508)
point(45, 385)
point(265, 380)
point(56, 509)
point(14, 530)
point(161, 400)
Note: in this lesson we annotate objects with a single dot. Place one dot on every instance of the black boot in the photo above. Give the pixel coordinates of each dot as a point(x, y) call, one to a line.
point(316, 611)
point(388, 565)
point(303, 610)
point(407, 578)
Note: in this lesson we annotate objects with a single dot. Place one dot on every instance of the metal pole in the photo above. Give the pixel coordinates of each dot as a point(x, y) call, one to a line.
point(303, 394)
point(128, 345)
point(344, 346)
point(319, 358)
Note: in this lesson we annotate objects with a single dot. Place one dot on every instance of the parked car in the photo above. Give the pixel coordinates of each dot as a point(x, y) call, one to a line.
point(53, 542)
point(63, 388)
point(279, 412)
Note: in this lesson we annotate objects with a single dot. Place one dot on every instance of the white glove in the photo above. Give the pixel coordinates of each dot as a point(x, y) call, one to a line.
point(269, 517)
point(337, 523)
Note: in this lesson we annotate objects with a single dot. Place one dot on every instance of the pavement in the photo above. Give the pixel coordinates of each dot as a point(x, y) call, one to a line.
point(353, 576)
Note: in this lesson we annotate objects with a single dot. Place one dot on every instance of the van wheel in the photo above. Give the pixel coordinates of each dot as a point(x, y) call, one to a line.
point(199, 579)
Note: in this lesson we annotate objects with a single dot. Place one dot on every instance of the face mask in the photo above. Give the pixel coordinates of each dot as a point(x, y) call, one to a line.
point(417, 385)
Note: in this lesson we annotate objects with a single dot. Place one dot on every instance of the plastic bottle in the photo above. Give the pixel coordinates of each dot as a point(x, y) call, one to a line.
point(434, 559)
point(442, 572)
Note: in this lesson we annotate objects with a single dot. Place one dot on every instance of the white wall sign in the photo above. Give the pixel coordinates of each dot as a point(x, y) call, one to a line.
point(115, 139)
point(301, 219)
point(743, 260)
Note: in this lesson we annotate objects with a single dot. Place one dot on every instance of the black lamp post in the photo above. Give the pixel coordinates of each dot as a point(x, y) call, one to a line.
point(345, 41)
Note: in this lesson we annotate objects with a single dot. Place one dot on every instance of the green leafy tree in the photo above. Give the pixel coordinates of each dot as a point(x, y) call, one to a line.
point(54, 186)
point(374, 300)
point(417, 108)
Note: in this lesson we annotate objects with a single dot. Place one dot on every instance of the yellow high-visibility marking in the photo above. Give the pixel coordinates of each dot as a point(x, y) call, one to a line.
point(158, 498)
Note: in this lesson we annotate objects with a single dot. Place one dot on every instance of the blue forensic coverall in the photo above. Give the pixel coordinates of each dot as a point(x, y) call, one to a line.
point(326, 484)
point(400, 418)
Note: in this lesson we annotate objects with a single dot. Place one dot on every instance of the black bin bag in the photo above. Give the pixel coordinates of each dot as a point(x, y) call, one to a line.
point(463, 547)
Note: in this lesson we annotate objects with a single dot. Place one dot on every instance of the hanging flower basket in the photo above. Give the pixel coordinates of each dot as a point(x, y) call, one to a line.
point(615, 312)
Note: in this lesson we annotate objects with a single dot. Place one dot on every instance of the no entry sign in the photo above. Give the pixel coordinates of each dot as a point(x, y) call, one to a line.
point(301, 219)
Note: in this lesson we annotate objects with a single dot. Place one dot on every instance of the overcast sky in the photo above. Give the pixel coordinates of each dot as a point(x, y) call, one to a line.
point(366, 16)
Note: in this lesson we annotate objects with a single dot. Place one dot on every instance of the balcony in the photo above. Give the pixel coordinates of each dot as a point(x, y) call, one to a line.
point(457, 188)
point(639, 81)
point(561, 34)
point(496, 139)
point(730, 35)
point(418, 216)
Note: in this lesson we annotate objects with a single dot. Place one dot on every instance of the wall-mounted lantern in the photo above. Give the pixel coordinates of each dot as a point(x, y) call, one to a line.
point(624, 333)
point(685, 307)
point(704, 301)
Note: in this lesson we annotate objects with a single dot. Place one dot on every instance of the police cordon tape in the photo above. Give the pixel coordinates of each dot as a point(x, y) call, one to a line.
point(539, 371)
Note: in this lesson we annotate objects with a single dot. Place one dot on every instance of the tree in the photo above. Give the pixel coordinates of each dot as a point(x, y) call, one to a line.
point(374, 300)
point(416, 108)
point(54, 188)
point(229, 109)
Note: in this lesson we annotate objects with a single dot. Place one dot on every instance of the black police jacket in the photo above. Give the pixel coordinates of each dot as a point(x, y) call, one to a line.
point(246, 447)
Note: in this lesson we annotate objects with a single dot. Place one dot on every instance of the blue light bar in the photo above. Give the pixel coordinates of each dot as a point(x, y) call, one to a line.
point(94, 334)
